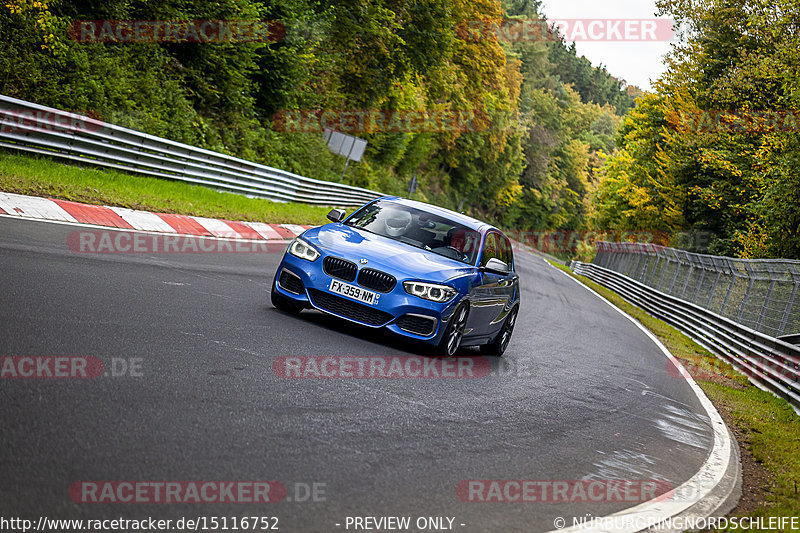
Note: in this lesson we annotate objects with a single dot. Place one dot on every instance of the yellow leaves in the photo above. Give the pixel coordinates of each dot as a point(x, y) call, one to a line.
point(509, 195)
point(755, 242)
point(717, 160)
point(15, 9)
point(712, 197)
point(19, 7)
point(44, 23)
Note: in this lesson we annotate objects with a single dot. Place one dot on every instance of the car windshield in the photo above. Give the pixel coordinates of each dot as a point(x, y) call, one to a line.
point(418, 228)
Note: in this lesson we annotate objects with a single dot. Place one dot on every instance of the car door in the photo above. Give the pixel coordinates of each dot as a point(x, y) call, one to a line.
point(490, 295)
point(508, 287)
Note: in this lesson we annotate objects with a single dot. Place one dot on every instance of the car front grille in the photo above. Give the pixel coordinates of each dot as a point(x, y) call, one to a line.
point(349, 309)
point(291, 282)
point(340, 268)
point(376, 280)
point(418, 325)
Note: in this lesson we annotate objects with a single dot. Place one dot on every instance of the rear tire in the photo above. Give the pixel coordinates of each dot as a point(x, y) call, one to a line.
point(451, 340)
point(500, 342)
point(282, 302)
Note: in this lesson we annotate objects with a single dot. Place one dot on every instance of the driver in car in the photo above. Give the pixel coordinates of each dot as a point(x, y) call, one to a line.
point(463, 240)
point(397, 223)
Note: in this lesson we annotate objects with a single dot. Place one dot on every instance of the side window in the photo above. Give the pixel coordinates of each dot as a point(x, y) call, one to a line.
point(506, 255)
point(490, 248)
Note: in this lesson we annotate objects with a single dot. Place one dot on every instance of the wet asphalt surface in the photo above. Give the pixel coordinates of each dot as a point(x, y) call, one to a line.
point(581, 394)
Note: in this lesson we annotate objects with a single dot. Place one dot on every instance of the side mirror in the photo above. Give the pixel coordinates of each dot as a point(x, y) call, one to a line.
point(336, 215)
point(496, 266)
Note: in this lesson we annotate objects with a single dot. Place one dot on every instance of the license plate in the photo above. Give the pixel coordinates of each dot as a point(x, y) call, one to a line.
point(352, 292)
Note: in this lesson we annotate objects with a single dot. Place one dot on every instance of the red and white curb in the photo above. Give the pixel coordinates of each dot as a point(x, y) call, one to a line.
point(48, 209)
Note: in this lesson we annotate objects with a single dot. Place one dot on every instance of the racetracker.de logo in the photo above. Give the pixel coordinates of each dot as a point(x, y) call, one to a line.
point(569, 241)
point(560, 491)
point(354, 121)
point(571, 30)
point(121, 242)
point(177, 31)
point(169, 492)
point(746, 121)
point(50, 367)
point(47, 122)
point(381, 367)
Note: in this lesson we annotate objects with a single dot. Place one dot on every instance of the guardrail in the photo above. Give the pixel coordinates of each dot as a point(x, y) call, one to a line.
point(762, 294)
point(33, 128)
point(767, 361)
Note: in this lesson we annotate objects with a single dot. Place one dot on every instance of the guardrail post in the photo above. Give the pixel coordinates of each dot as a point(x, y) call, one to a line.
point(621, 257)
point(713, 289)
point(637, 273)
point(686, 283)
point(664, 273)
point(606, 258)
point(654, 270)
point(746, 297)
point(764, 307)
point(699, 284)
point(730, 287)
point(71, 146)
point(612, 256)
point(648, 262)
point(675, 277)
point(624, 261)
point(788, 309)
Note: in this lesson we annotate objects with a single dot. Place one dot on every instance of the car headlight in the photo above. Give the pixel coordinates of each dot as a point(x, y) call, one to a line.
point(303, 250)
point(430, 291)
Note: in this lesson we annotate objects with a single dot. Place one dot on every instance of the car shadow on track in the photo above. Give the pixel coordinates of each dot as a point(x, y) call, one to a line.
point(377, 336)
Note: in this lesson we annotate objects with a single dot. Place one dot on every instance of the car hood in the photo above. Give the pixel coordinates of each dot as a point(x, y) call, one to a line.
point(382, 253)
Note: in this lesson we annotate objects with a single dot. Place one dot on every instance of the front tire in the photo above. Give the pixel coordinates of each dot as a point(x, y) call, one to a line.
point(451, 340)
point(500, 342)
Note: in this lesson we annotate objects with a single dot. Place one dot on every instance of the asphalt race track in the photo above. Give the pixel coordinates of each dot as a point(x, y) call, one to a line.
point(581, 394)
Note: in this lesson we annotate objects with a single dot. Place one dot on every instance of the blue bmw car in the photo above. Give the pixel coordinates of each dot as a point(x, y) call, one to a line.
point(420, 271)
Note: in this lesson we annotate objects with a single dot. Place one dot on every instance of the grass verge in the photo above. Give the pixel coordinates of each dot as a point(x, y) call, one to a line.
point(766, 427)
point(40, 176)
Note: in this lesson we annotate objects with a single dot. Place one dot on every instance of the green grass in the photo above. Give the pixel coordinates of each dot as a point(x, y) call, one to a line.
point(765, 424)
point(37, 176)
point(771, 431)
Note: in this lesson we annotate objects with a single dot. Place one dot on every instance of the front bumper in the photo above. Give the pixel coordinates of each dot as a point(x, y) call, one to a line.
point(399, 312)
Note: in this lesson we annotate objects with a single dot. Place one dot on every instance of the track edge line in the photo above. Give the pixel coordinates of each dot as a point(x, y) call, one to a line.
point(722, 466)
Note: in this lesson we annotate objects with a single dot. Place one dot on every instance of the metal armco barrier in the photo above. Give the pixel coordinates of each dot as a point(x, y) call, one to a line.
point(37, 129)
point(762, 294)
point(767, 361)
